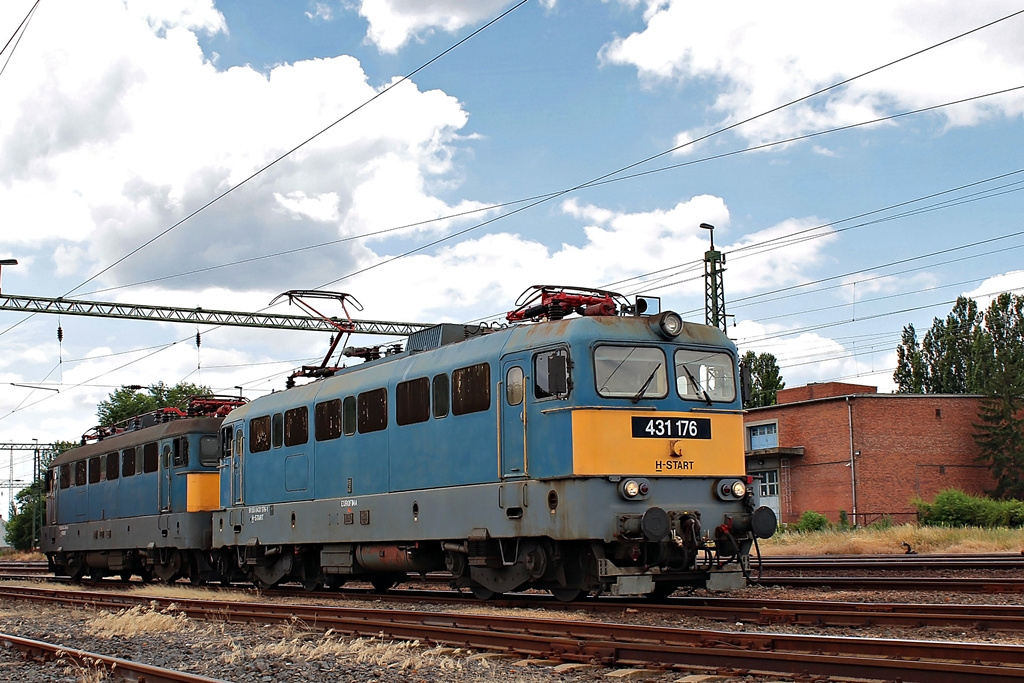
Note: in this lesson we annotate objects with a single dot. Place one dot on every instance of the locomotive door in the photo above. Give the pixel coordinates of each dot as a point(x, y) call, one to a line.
point(512, 402)
point(165, 478)
point(236, 468)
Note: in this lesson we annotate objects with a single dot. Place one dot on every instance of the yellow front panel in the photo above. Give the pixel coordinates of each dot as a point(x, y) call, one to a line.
point(203, 491)
point(672, 444)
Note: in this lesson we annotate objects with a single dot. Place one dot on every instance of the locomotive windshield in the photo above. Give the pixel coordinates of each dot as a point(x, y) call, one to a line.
point(630, 372)
point(705, 375)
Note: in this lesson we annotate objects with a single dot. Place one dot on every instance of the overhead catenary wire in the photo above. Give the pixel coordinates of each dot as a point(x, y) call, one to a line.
point(692, 142)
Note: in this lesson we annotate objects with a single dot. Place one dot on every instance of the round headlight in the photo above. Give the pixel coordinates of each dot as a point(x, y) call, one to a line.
point(670, 324)
point(739, 489)
point(631, 489)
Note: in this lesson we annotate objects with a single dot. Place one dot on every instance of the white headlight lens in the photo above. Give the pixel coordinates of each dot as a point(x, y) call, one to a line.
point(631, 489)
point(671, 324)
point(739, 489)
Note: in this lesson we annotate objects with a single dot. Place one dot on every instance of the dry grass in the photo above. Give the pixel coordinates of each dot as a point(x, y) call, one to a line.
point(138, 620)
point(11, 555)
point(889, 541)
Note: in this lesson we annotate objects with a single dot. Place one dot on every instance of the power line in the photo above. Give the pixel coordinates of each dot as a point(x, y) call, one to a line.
point(302, 144)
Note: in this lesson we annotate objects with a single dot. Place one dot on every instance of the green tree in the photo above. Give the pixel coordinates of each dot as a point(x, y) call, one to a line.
point(129, 401)
point(1000, 359)
point(765, 379)
point(24, 526)
point(949, 350)
point(911, 372)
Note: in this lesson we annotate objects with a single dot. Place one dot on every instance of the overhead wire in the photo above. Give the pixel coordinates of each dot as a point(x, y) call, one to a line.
point(599, 179)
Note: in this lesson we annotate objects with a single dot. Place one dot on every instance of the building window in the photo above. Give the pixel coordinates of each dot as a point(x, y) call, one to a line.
point(763, 436)
point(769, 483)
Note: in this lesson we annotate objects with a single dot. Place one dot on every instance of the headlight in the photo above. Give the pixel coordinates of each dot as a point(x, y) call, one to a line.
point(739, 489)
point(631, 489)
point(670, 324)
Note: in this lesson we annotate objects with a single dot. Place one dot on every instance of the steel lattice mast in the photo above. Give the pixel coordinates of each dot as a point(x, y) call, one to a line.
point(105, 309)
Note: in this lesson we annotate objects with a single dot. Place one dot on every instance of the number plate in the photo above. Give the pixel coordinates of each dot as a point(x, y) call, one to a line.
point(671, 427)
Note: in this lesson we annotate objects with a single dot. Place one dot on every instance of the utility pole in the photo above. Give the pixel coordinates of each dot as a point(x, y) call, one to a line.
point(714, 283)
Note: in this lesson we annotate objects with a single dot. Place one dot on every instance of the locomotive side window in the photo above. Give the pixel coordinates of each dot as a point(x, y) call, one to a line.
point(226, 441)
point(551, 374)
point(65, 476)
point(296, 426)
point(277, 430)
point(80, 473)
point(181, 451)
point(471, 389)
point(259, 434)
point(412, 401)
point(209, 446)
point(705, 375)
point(514, 386)
point(127, 462)
point(440, 392)
point(150, 458)
point(113, 465)
point(94, 469)
point(349, 416)
point(327, 420)
point(632, 372)
point(372, 408)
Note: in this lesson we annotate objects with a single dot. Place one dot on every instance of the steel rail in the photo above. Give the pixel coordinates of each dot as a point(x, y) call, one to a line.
point(113, 666)
point(614, 644)
point(903, 583)
point(106, 309)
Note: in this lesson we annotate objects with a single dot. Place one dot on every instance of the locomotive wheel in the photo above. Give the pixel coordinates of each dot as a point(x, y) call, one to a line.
point(382, 583)
point(75, 566)
point(146, 575)
point(567, 594)
point(334, 581)
point(125, 576)
point(311, 585)
point(662, 590)
point(482, 593)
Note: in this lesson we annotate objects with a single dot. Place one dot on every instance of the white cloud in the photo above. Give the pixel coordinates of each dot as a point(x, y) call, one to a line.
point(783, 51)
point(393, 23)
point(111, 135)
point(988, 290)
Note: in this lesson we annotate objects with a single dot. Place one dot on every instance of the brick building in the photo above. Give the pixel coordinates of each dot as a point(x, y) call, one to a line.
point(832, 446)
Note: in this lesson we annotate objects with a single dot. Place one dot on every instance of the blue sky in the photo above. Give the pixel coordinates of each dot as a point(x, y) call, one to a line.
point(117, 120)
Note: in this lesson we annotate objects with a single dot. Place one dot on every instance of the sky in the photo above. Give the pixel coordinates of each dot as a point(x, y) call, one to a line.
point(860, 164)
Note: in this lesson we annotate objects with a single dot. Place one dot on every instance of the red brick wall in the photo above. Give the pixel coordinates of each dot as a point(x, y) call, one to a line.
point(823, 390)
point(910, 446)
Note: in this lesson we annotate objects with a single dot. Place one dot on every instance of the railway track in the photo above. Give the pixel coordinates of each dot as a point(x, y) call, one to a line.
point(91, 661)
point(611, 644)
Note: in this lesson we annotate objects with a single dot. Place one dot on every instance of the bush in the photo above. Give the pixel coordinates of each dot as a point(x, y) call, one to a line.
point(954, 508)
point(812, 521)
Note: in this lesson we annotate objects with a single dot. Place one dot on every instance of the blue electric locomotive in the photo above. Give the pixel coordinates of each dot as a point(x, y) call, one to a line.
point(136, 498)
point(601, 452)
